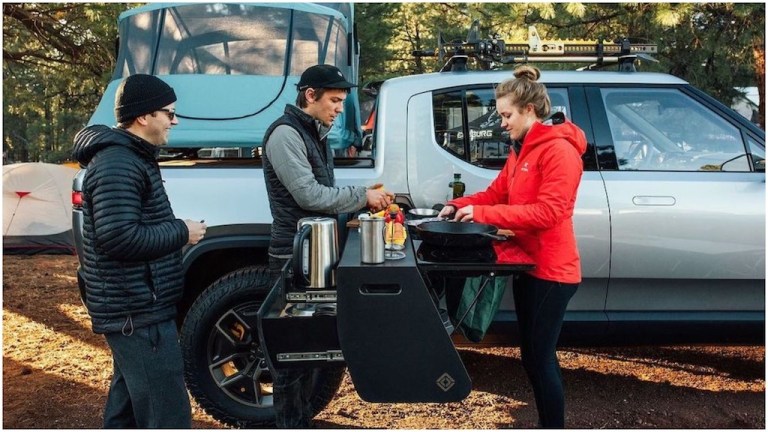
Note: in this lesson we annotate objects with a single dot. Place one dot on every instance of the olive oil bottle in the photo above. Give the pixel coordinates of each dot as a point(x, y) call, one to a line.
point(457, 186)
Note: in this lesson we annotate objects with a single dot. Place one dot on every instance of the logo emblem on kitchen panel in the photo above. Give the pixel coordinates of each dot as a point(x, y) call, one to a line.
point(445, 382)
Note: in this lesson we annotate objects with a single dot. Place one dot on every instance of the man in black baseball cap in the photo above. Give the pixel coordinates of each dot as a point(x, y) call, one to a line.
point(298, 170)
point(323, 76)
point(313, 85)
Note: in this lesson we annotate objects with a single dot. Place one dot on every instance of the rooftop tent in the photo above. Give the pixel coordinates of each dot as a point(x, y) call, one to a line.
point(37, 209)
point(234, 67)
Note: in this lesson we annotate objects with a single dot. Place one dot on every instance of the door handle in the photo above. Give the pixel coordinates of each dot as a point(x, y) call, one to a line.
point(644, 200)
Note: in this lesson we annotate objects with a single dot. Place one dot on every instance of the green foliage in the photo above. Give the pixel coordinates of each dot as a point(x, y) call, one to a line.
point(711, 45)
point(58, 57)
point(375, 34)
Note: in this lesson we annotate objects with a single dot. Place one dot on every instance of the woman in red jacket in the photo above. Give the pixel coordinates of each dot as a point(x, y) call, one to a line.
point(534, 196)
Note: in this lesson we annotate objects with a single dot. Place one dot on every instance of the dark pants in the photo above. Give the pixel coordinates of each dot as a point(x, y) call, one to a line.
point(292, 388)
point(540, 307)
point(147, 389)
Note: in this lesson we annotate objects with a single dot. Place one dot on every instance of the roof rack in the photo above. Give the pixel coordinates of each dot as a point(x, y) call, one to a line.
point(493, 52)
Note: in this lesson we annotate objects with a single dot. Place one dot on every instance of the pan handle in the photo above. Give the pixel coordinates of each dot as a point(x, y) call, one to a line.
point(494, 236)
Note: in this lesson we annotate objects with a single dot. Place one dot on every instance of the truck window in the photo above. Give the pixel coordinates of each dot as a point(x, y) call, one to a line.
point(758, 154)
point(475, 108)
point(488, 142)
point(449, 121)
point(666, 130)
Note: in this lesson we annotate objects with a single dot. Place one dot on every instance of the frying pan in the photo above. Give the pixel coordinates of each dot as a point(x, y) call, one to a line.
point(465, 234)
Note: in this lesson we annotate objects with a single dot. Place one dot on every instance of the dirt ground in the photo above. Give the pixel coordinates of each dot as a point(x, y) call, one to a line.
point(56, 374)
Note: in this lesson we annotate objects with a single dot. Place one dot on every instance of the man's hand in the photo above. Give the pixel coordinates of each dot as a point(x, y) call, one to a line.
point(196, 231)
point(378, 198)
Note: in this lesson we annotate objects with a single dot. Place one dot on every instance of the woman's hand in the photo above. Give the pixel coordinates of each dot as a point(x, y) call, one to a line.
point(446, 211)
point(465, 214)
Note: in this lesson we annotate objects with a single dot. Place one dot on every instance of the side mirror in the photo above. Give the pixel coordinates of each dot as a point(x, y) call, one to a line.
point(372, 88)
point(367, 142)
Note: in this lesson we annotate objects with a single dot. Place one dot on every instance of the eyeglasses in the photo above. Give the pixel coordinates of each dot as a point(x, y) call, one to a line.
point(170, 113)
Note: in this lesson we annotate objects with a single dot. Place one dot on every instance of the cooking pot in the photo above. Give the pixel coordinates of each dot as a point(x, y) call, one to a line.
point(315, 253)
point(465, 234)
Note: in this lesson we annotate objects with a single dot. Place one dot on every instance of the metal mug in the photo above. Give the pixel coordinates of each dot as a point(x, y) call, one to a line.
point(371, 239)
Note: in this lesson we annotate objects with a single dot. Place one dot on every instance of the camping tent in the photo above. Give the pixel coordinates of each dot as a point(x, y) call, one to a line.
point(37, 209)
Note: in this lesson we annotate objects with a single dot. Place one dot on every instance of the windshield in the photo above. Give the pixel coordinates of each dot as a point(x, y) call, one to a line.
point(230, 39)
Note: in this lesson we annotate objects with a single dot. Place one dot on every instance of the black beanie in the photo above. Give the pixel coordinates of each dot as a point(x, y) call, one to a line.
point(141, 94)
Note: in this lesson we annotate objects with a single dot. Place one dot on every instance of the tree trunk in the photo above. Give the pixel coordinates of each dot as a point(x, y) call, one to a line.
point(758, 50)
point(48, 131)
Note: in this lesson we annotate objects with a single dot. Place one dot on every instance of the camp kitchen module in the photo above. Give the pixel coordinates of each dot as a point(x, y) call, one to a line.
point(381, 320)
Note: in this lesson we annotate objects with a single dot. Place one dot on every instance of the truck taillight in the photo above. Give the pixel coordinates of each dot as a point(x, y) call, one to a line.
point(77, 199)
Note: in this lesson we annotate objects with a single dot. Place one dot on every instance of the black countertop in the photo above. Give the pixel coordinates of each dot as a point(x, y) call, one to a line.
point(468, 261)
point(451, 261)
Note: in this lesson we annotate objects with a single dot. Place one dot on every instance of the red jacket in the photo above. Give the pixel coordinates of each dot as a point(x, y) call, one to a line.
point(534, 196)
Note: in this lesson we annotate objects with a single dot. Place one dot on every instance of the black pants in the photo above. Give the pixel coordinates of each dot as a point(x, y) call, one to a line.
point(540, 307)
point(147, 389)
point(292, 388)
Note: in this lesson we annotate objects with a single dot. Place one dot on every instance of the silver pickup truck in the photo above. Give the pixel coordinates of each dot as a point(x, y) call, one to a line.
point(670, 216)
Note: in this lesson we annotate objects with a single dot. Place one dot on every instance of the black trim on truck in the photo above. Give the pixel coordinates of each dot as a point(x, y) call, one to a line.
point(216, 244)
point(580, 116)
point(236, 236)
point(606, 154)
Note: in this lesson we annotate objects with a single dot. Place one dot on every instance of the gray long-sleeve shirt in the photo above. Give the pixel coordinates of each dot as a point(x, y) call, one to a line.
point(288, 155)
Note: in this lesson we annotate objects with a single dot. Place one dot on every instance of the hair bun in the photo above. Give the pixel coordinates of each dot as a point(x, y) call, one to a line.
point(527, 72)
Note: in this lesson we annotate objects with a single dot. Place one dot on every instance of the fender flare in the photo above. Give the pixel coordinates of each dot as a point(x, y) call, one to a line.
point(192, 253)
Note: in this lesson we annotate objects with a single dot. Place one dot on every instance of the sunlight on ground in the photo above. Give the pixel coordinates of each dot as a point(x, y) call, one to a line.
point(76, 313)
point(66, 277)
point(74, 360)
point(659, 370)
point(488, 410)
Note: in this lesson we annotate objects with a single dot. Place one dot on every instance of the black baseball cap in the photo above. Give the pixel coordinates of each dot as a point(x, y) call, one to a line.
point(323, 76)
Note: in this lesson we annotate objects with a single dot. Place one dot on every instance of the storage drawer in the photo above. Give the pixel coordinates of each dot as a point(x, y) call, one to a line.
point(298, 335)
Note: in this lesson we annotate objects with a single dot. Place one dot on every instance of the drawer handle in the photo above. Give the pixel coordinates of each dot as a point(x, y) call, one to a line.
point(380, 289)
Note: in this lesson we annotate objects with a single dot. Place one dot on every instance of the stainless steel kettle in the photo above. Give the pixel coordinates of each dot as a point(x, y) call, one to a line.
point(315, 253)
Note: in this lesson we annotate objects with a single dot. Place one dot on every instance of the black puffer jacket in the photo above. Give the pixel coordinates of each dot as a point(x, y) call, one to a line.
point(131, 240)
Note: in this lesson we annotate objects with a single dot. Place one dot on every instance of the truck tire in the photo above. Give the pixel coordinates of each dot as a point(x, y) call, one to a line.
point(224, 364)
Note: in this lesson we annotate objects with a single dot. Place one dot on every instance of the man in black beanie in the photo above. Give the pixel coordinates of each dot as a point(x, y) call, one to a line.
point(132, 257)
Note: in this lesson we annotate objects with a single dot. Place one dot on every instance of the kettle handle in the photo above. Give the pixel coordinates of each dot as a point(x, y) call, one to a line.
point(298, 255)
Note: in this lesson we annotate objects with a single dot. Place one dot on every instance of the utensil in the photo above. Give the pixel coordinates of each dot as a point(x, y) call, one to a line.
point(414, 222)
point(464, 234)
